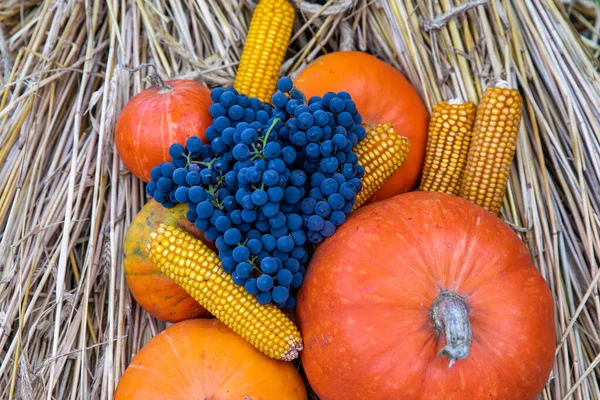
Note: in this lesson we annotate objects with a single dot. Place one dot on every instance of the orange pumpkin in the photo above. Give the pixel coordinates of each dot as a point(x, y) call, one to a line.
point(153, 291)
point(413, 284)
point(203, 359)
point(382, 95)
point(158, 117)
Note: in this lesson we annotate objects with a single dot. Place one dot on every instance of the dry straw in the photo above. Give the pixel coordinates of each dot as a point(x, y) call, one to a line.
point(66, 200)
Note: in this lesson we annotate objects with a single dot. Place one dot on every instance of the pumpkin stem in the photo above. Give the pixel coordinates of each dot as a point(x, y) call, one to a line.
point(450, 315)
point(154, 78)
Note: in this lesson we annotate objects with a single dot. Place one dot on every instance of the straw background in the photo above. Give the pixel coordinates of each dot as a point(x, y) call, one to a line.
point(68, 325)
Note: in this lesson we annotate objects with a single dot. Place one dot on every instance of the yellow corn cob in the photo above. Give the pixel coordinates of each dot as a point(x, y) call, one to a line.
point(447, 146)
point(196, 268)
point(381, 153)
point(264, 50)
point(492, 147)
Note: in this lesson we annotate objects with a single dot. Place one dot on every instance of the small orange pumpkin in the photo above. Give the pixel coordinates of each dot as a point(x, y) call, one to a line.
point(382, 95)
point(413, 285)
point(203, 359)
point(153, 291)
point(156, 118)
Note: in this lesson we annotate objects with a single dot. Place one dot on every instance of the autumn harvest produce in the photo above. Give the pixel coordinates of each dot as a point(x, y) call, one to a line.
point(203, 359)
point(191, 264)
point(167, 113)
point(493, 147)
point(272, 180)
point(383, 96)
point(425, 296)
point(448, 141)
point(153, 291)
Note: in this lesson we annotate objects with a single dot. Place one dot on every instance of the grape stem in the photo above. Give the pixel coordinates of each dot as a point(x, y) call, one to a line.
point(264, 142)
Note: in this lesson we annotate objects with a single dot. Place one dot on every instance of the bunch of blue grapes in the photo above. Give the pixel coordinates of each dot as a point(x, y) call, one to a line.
point(323, 132)
point(268, 182)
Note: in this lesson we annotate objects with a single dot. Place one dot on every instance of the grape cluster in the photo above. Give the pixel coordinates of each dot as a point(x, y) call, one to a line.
point(270, 180)
point(323, 132)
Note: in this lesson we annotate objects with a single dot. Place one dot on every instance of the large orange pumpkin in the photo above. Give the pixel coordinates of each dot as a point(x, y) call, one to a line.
point(203, 359)
point(391, 301)
point(158, 117)
point(382, 94)
point(156, 293)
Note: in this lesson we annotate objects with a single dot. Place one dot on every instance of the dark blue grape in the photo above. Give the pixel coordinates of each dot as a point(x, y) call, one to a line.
point(315, 223)
point(298, 139)
point(255, 246)
point(272, 150)
point(262, 117)
point(299, 237)
point(268, 265)
point(328, 148)
point(221, 123)
point(284, 84)
point(294, 222)
point(217, 110)
point(329, 165)
point(215, 94)
point(167, 169)
point(269, 242)
point(291, 105)
point(348, 190)
point(279, 232)
point(241, 254)
point(232, 236)
point(228, 98)
point(259, 197)
point(290, 303)
point(279, 99)
point(280, 294)
point(249, 115)
point(202, 224)
point(278, 220)
point(238, 280)
point(228, 264)
point(336, 201)
point(244, 270)
point(308, 205)
point(247, 203)
point(316, 194)
point(323, 209)
point(337, 218)
point(270, 178)
point(270, 209)
point(288, 154)
point(205, 209)
point(250, 286)
point(241, 152)
point(164, 184)
point(328, 229)
point(223, 223)
point(264, 297)
point(297, 280)
point(328, 186)
point(150, 188)
point(292, 265)
point(211, 234)
point(249, 136)
point(285, 244)
point(235, 112)
point(249, 216)
point(181, 195)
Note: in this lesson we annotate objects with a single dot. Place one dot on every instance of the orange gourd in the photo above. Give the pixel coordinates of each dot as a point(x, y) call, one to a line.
point(158, 117)
point(413, 284)
point(382, 95)
point(154, 292)
point(203, 359)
